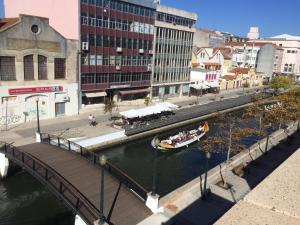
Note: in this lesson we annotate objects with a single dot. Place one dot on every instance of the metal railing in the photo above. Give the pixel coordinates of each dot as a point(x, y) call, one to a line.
point(93, 158)
point(54, 181)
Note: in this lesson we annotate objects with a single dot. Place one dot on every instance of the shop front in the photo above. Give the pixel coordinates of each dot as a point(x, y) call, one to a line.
point(21, 103)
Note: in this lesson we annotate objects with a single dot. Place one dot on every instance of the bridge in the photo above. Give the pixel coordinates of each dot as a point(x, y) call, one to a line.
point(73, 174)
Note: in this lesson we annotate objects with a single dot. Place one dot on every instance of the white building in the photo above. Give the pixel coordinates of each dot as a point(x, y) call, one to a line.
point(290, 63)
point(36, 62)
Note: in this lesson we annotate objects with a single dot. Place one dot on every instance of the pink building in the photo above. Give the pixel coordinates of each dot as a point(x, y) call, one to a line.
point(63, 14)
point(291, 52)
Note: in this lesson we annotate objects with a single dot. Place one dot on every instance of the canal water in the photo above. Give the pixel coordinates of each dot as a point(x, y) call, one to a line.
point(24, 201)
point(174, 169)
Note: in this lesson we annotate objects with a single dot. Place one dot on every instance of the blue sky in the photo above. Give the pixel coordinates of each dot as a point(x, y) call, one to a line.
point(236, 16)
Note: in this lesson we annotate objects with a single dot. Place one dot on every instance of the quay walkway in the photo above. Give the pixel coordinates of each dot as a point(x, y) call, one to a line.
point(76, 180)
point(189, 113)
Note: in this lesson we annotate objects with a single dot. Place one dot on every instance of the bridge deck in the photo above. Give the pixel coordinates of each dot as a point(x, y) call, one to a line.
point(85, 177)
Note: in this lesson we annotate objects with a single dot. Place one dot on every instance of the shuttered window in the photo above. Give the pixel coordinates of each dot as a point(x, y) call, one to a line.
point(28, 67)
point(60, 68)
point(42, 66)
point(7, 68)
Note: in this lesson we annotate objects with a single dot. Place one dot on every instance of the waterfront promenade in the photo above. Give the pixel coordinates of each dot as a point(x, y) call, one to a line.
point(77, 126)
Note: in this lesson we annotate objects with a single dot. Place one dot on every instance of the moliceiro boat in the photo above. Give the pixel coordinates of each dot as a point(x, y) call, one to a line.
point(182, 139)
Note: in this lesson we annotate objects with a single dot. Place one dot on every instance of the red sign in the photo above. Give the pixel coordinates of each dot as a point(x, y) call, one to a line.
point(18, 91)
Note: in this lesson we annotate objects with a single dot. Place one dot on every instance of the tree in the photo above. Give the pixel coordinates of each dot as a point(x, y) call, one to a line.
point(109, 107)
point(280, 82)
point(147, 101)
point(231, 130)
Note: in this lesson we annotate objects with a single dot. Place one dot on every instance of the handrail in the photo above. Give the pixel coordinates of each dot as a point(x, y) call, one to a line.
point(73, 197)
point(93, 158)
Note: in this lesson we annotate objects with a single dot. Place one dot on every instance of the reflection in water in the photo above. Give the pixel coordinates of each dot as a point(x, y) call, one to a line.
point(174, 169)
point(24, 201)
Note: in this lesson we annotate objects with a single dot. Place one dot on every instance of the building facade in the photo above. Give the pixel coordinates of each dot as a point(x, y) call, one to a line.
point(207, 38)
point(36, 62)
point(290, 61)
point(174, 33)
point(117, 49)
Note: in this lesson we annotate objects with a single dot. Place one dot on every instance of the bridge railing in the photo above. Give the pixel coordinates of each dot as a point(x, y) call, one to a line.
point(94, 159)
point(53, 180)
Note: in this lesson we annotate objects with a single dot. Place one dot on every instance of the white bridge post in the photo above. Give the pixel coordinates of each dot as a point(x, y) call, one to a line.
point(79, 221)
point(4, 164)
point(152, 203)
point(38, 138)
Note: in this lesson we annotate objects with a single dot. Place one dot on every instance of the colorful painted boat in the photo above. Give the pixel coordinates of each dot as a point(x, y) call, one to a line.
point(182, 139)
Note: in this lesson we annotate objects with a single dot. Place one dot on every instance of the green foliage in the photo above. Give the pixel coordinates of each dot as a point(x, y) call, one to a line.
point(109, 107)
point(280, 82)
point(147, 101)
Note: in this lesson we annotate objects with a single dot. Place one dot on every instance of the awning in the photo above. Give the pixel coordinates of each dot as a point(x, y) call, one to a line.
point(150, 110)
point(211, 64)
point(213, 85)
point(199, 86)
point(95, 94)
point(131, 92)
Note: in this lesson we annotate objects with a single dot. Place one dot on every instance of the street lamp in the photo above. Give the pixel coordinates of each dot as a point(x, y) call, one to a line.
point(207, 156)
point(38, 116)
point(102, 161)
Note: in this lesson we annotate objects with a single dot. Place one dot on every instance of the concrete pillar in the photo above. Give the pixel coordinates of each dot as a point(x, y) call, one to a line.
point(79, 221)
point(181, 90)
point(38, 138)
point(153, 203)
point(4, 164)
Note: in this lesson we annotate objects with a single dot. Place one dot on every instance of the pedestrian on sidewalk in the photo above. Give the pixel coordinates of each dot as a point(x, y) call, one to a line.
point(92, 120)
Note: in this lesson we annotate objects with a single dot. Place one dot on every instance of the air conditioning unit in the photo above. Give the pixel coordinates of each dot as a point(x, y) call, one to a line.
point(85, 46)
point(141, 51)
point(149, 67)
point(119, 49)
point(118, 67)
point(150, 52)
point(66, 98)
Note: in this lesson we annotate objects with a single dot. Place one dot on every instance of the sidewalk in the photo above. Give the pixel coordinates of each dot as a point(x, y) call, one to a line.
point(77, 126)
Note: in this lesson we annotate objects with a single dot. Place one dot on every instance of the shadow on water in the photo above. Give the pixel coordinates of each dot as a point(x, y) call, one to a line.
point(174, 169)
point(24, 201)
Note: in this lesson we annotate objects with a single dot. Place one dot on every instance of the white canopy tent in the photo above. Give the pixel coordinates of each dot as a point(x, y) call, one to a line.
point(150, 110)
point(199, 86)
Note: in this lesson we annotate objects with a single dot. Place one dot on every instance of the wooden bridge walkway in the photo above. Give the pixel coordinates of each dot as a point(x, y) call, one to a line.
point(83, 175)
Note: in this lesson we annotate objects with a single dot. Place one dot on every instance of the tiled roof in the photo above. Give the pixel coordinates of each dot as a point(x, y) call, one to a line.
point(211, 64)
point(240, 70)
point(226, 52)
point(8, 22)
point(229, 77)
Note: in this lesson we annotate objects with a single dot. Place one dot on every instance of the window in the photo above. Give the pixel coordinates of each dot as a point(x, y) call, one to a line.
point(7, 68)
point(59, 68)
point(28, 67)
point(99, 60)
point(112, 60)
point(42, 67)
point(112, 42)
point(92, 60)
point(99, 41)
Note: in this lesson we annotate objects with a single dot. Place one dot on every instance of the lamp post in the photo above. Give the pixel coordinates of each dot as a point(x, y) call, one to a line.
point(38, 116)
point(154, 145)
point(207, 156)
point(102, 161)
